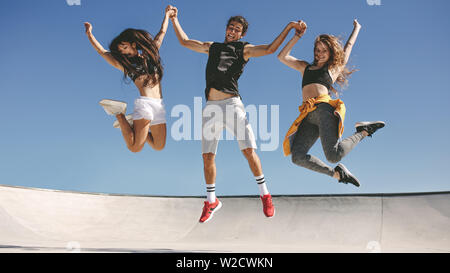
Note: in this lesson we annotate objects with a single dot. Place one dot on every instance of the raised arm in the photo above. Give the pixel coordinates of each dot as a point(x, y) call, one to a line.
point(99, 48)
point(262, 50)
point(285, 54)
point(162, 32)
point(198, 46)
point(351, 40)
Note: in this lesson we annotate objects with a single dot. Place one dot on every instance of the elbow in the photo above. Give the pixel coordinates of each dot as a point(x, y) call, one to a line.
point(282, 60)
point(186, 43)
point(270, 50)
point(281, 57)
point(183, 42)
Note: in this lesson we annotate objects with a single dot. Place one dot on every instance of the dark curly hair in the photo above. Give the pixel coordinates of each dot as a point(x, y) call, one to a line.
point(240, 20)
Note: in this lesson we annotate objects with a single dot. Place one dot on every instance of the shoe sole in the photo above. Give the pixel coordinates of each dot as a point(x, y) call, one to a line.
point(108, 102)
point(366, 123)
point(263, 209)
point(272, 215)
point(349, 174)
point(212, 213)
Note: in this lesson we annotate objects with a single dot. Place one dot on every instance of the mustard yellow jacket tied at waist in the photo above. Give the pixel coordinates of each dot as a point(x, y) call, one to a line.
point(306, 108)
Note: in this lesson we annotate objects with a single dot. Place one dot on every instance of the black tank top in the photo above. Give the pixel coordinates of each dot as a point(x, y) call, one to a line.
point(320, 76)
point(225, 66)
point(139, 65)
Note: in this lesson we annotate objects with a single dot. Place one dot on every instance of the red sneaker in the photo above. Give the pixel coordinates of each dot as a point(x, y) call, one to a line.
point(209, 209)
point(268, 207)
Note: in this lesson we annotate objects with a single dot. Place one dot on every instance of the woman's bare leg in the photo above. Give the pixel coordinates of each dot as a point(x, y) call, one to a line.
point(157, 136)
point(136, 136)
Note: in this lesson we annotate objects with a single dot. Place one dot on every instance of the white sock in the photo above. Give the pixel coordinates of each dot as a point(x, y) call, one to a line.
point(260, 180)
point(211, 193)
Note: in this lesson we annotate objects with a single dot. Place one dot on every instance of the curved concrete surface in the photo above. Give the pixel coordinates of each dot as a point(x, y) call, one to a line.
point(37, 220)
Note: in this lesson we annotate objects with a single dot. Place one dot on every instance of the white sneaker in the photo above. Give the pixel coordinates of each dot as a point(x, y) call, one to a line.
point(113, 107)
point(129, 119)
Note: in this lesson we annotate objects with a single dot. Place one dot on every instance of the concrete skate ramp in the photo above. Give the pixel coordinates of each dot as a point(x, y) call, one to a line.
point(37, 220)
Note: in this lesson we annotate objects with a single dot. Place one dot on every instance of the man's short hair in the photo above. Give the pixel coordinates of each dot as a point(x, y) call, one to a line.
point(240, 20)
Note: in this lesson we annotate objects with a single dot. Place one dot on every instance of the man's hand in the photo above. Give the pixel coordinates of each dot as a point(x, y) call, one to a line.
point(300, 28)
point(170, 11)
point(173, 12)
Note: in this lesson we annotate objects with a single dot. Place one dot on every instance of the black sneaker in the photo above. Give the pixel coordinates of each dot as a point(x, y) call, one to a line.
point(345, 175)
point(369, 126)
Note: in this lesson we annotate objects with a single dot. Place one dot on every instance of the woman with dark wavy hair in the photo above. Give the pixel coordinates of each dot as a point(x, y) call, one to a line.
point(320, 116)
point(136, 54)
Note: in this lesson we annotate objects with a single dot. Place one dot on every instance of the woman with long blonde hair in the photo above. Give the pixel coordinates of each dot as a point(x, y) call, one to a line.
point(321, 116)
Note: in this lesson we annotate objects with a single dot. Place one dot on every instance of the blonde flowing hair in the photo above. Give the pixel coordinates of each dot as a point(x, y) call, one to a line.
point(337, 59)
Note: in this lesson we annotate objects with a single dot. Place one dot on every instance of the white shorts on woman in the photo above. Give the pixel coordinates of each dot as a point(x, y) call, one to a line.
point(150, 109)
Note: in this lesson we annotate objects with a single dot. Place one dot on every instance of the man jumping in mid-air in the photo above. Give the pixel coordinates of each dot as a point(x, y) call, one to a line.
point(225, 65)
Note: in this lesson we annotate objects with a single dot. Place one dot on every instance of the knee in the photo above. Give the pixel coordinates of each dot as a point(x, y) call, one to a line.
point(249, 152)
point(208, 159)
point(298, 158)
point(135, 149)
point(333, 157)
point(159, 146)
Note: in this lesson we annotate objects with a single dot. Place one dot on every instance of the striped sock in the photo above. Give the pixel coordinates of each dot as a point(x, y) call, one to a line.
point(261, 181)
point(211, 193)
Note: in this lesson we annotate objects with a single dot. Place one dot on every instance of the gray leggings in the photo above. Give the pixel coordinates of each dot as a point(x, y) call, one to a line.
point(324, 124)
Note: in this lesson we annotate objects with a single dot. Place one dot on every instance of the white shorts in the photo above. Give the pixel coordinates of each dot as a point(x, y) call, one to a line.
point(150, 109)
point(230, 114)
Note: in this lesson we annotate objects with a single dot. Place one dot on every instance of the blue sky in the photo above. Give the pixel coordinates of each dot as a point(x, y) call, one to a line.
point(55, 135)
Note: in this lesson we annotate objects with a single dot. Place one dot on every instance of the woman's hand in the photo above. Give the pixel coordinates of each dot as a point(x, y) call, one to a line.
point(296, 24)
point(172, 11)
point(285, 54)
point(300, 28)
point(88, 27)
point(356, 24)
